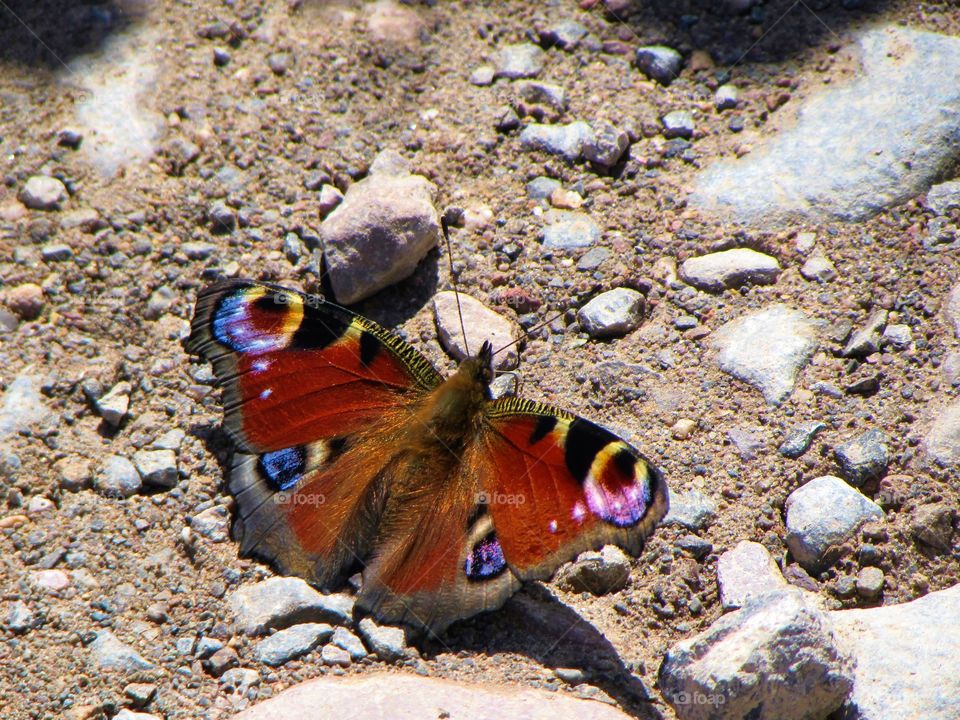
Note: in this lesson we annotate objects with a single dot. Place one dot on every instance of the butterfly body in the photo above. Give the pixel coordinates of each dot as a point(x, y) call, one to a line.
point(354, 453)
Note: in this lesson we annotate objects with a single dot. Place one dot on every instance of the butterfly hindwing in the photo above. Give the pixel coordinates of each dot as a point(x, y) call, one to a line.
point(558, 485)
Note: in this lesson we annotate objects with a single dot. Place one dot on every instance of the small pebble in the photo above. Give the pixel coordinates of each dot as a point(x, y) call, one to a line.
point(870, 582)
point(659, 63)
point(26, 301)
point(678, 124)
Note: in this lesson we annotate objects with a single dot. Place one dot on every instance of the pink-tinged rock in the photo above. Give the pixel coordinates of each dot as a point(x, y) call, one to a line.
point(391, 22)
point(51, 581)
point(408, 697)
point(481, 324)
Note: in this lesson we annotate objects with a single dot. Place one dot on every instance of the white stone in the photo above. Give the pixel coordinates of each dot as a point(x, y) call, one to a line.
point(942, 442)
point(766, 349)
point(746, 571)
point(43, 193)
point(277, 602)
point(730, 268)
point(615, 312)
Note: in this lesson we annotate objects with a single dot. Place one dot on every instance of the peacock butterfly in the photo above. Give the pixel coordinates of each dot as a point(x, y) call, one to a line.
point(352, 451)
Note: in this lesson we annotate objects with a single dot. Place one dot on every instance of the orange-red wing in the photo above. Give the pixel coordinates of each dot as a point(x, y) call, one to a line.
point(557, 485)
point(296, 369)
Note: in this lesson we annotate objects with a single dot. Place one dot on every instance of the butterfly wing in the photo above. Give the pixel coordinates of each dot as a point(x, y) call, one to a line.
point(310, 392)
point(557, 485)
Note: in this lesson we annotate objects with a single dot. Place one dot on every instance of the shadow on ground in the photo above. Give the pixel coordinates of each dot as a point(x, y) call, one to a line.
point(50, 33)
point(770, 31)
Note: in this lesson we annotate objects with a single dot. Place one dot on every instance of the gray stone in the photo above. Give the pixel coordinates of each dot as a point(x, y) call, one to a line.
point(570, 231)
point(613, 313)
point(951, 368)
point(592, 259)
point(330, 198)
point(240, 680)
point(285, 645)
point(678, 124)
point(805, 242)
point(818, 268)
point(336, 608)
point(43, 193)
point(540, 188)
point(212, 523)
point(798, 438)
point(222, 218)
point(866, 340)
point(87, 219)
point(766, 349)
point(481, 325)
point(565, 34)
point(346, 640)
point(198, 249)
point(20, 618)
point(692, 510)
point(504, 385)
point(117, 478)
point(56, 252)
point(564, 140)
point(127, 714)
point(377, 236)
point(599, 573)
point(407, 696)
point(726, 97)
point(113, 406)
point(483, 75)
point(387, 643)
point(870, 583)
point(906, 658)
point(822, 515)
point(205, 647)
point(729, 268)
point(170, 440)
point(334, 656)
point(157, 467)
point(23, 406)
point(524, 60)
point(856, 148)
point(696, 546)
point(221, 661)
point(944, 197)
point(606, 144)
point(277, 602)
point(898, 335)
point(541, 93)
point(746, 571)
point(942, 442)
point(863, 458)
point(749, 441)
point(776, 658)
point(109, 653)
point(659, 63)
point(160, 300)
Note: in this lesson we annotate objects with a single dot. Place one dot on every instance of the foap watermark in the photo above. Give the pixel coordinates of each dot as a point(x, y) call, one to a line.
point(697, 698)
point(295, 498)
point(287, 298)
point(499, 498)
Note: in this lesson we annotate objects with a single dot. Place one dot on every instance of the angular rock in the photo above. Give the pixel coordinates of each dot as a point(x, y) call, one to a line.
point(113, 406)
point(858, 147)
point(109, 653)
point(599, 573)
point(384, 227)
point(540, 188)
point(26, 301)
point(777, 658)
point(942, 442)
point(212, 523)
point(540, 93)
point(726, 97)
point(870, 582)
point(337, 608)
point(524, 60)
point(799, 438)
point(906, 658)
point(898, 335)
point(570, 231)
point(613, 313)
point(766, 349)
point(277, 602)
point(822, 515)
point(221, 661)
point(286, 645)
point(564, 34)
point(483, 75)
point(746, 571)
point(157, 467)
point(729, 268)
point(160, 300)
point(818, 268)
point(606, 145)
point(411, 697)
point(43, 193)
point(23, 405)
point(659, 63)
point(564, 140)
point(863, 458)
point(56, 252)
point(944, 197)
point(933, 525)
point(866, 340)
point(117, 478)
point(678, 124)
point(334, 656)
point(19, 618)
point(692, 510)
point(481, 325)
point(749, 441)
point(346, 640)
point(387, 643)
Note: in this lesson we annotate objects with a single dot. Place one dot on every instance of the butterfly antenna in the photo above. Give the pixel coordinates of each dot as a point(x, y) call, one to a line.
point(529, 332)
point(454, 216)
